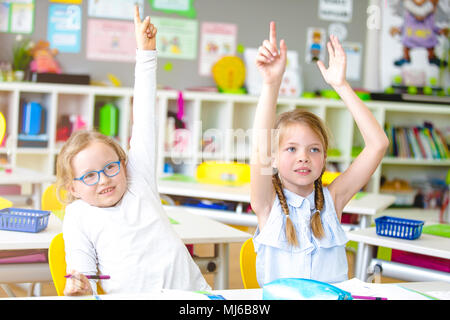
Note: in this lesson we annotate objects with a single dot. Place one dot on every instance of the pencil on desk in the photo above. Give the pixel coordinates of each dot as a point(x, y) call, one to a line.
point(93, 277)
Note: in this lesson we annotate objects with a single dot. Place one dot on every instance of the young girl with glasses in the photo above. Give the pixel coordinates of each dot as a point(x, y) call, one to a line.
point(114, 222)
point(299, 233)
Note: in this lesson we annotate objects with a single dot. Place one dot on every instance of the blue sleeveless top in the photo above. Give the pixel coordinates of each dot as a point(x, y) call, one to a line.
point(318, 259)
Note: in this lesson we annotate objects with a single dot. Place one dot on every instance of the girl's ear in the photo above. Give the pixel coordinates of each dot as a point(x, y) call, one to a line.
point(73, 192)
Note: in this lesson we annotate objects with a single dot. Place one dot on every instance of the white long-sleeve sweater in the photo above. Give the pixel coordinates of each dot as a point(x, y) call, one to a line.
point(133, 241)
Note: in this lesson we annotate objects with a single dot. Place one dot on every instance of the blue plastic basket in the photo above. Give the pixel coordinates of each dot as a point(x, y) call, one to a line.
point(398, 227)
point(26, 220)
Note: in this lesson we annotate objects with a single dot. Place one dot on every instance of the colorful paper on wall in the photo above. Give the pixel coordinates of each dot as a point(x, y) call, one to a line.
point(68, 1)
point(315, 44)
point(180, 7)
point(109, 40)
point(114, 9)
point(176, 38)
point(17, 16)
point(354, 59)
point(217, 40)
point(64, 27)
point(333, 10)
point(4, 16)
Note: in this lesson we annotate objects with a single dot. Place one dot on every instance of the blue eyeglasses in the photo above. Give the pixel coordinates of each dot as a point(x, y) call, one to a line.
point(93, 177)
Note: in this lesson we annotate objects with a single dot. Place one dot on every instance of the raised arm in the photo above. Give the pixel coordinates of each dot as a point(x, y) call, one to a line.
point(271, 63)
point(359, 172)
point(144, 142)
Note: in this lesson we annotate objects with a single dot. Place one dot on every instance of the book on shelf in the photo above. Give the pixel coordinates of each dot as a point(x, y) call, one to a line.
point(419, 142)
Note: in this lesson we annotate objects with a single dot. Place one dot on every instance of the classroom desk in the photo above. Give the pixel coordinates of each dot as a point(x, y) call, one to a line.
point(427, 244)
point(414, 291)
point(366, 206)
point(25, 176)
point(192, 229)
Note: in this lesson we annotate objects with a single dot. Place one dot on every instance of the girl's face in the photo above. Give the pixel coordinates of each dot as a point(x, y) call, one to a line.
point(109, 190)
point(300, 158)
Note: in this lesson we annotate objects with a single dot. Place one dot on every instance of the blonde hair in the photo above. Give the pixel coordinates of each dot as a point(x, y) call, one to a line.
point(78, 141)
point(316, 124)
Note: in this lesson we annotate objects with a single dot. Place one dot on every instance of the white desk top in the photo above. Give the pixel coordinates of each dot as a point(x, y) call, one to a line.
point(192, 229)
point(14, 240)
point(22, 175)
point(427, 244)
point(368, 204)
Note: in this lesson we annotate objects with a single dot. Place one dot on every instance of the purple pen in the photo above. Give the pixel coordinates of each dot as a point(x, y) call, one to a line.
point(94, 277)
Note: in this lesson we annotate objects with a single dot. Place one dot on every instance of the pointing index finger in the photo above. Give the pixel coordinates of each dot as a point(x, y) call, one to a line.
point(273, 34)
point(137, 18)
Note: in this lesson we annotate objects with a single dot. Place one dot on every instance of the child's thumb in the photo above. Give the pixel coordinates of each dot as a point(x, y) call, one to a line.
point(283, 48)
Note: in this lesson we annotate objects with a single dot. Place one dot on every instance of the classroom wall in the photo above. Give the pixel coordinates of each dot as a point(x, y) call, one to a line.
point(293, 17)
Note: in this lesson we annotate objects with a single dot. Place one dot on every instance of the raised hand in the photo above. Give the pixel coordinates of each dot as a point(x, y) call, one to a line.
point(145, 32)
point(271, 62)
point(335, 74)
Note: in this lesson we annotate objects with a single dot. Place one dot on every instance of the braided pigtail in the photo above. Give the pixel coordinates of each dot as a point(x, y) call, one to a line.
point(290, 229)
point(316, 222)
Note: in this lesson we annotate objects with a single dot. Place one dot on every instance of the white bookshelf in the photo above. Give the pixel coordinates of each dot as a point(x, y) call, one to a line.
point(228, 117)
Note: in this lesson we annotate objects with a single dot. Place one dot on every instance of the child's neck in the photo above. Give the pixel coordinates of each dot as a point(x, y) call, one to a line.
point(303, 191)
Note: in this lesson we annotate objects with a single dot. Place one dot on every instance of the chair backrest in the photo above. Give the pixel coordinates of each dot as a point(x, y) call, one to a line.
point(50, 202)
point(58, 266)
point(247, 260)
point(4, 203)
point(57, 263)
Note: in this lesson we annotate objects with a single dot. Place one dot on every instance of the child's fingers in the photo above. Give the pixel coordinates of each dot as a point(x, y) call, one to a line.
point(137, 18)
point(321, 67)
point(330, 50)
point(270, 47)
point(145, 23)
point(273, 33)
point(264, 52)
point(262, 59)
point(283, 48)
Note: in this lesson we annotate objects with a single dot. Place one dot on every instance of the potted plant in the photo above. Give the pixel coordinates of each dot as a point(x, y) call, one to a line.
point(21, 57)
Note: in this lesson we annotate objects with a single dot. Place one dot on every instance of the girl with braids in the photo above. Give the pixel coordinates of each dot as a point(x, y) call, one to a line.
point(299, 233)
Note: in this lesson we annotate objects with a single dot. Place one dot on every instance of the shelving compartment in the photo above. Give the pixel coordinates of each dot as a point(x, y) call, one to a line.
point(74, 113)
point(181, 132)
point(34, 125)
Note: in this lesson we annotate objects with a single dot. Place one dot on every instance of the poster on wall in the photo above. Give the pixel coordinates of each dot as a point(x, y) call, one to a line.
point(315, 44)
point(336, 10)
point(353, 51)
point(291, 85)
point(64, 27)
point(114, 9)
point(109, 40)
point(176, 38)
point(68, 1)
point(181, 7)
point(217, 40)
point(17, 16)
point(418, 55)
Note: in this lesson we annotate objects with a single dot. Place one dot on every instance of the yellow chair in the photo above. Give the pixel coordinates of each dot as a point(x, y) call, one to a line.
point(4, 203)
point(247, 260)
point(58, 266)
point(56, 251)
point(50, 202)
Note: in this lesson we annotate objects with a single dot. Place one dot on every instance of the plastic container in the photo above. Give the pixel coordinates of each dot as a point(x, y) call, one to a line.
point(26, 220)
point(398, 227)
point(109, 120)
point(32, 118)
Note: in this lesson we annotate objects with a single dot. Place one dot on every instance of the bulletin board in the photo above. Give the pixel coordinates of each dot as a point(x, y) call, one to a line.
point(293, 19)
